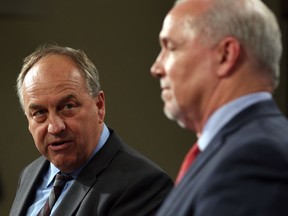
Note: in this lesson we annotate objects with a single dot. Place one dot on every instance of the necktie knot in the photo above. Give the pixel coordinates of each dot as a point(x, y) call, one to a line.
point(58, 185)
point(61, 179)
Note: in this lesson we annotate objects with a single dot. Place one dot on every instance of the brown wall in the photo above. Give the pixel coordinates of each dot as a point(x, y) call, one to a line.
point(121, 38)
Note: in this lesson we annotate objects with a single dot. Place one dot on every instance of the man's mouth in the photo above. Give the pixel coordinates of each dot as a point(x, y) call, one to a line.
point(59, 145)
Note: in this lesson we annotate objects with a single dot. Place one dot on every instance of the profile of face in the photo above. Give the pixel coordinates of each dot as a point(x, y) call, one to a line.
point(63, 118)
point(184, 68)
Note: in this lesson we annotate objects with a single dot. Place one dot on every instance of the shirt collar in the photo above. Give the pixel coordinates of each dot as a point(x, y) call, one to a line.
point(225, 113)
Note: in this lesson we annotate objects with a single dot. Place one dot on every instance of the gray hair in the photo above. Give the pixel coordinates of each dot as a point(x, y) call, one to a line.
point(84, 64)
point(252, 23)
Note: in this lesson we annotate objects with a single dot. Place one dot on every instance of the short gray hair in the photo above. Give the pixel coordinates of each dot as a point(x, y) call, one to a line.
point(249, 21)
point(84, 64)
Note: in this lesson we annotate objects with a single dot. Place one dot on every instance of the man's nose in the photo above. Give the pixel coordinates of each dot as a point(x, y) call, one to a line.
point(56, 125)
point(157, 69)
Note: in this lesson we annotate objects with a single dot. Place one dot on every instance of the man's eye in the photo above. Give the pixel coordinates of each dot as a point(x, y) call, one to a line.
point(170, 46)
point(38, 113)
point(68, 109)
point(69, 106)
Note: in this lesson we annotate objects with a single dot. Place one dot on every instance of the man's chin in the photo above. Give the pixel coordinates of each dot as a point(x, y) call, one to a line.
point(181, 124)
point(174, 117)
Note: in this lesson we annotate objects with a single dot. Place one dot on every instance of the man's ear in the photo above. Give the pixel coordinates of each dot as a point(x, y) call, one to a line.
point(228, 53)
point(100, 103)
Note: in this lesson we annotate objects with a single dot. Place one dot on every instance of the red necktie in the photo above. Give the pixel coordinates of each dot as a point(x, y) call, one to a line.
point(189, 158)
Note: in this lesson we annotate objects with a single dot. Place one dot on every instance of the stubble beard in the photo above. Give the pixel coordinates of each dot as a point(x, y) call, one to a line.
point(174, 113)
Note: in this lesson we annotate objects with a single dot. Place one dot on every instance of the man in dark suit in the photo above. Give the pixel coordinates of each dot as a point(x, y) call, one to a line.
point(60, 94)
point(218, 68)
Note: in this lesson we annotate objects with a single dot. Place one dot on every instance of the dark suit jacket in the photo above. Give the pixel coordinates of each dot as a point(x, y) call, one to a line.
point(118, 181)
point(243, 171)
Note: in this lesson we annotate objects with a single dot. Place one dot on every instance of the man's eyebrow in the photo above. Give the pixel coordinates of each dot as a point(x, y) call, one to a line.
point(165, 40)
point(35, 106)
point(66, 98)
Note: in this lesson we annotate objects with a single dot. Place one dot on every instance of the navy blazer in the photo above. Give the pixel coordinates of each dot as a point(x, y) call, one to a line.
point(118, 181)
point(243, 171)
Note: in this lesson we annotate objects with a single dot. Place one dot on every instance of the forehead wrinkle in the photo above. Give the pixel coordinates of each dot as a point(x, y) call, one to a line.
point(34, 76)
point(62, 99)
point(55, 87)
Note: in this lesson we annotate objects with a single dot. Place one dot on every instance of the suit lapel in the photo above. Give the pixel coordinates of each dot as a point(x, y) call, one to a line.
point(30, 178)
point(249, 114)
point(88, 177)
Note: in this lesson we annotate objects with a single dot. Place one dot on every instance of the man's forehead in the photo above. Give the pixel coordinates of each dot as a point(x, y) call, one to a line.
point(44, 72)
point(192, 8)
point(174, 26)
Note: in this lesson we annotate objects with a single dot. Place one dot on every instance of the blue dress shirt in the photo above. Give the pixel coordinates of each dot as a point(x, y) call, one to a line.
point(43, 191)
point(225, 113)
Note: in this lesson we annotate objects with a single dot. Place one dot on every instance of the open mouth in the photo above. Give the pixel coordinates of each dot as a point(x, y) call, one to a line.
point(58, 143)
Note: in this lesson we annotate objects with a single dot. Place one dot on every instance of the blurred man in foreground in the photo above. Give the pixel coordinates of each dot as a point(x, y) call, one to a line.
point(218, 68)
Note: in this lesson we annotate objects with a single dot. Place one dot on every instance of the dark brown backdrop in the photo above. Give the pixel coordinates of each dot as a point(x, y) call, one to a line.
point(121, 37)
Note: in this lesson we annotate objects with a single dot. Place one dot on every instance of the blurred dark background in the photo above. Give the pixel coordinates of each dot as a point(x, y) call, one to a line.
point(121, 38)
